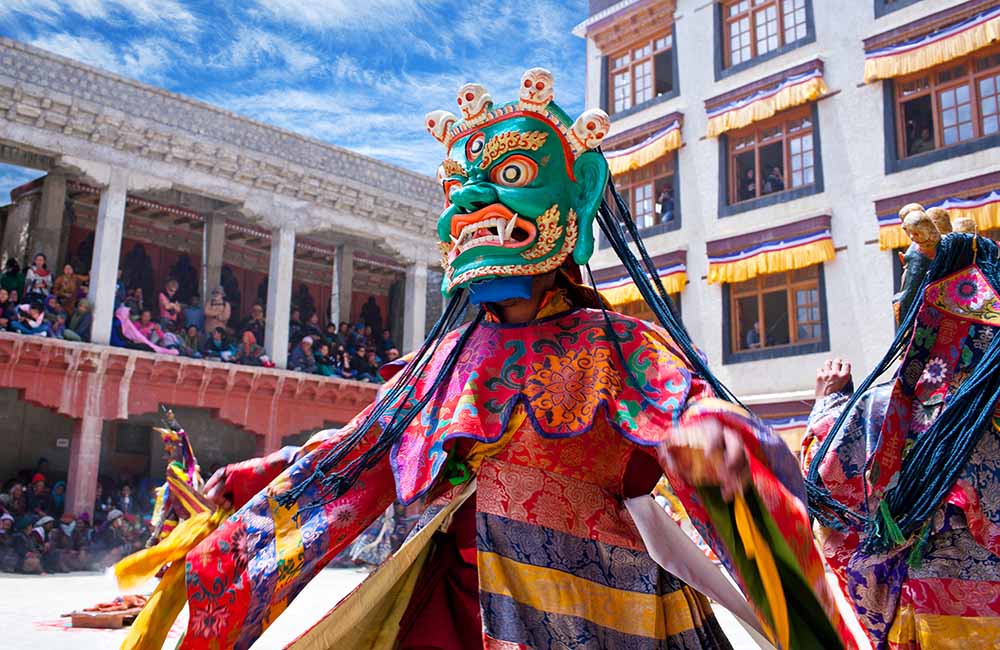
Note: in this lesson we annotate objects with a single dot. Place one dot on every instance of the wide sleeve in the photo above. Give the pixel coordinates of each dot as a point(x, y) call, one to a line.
point(763, 536)
point(841, 468)
point(250, 569)
point(247, 478)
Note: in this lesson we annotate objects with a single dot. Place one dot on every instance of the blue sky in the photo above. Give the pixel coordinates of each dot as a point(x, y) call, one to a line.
point(356, 73)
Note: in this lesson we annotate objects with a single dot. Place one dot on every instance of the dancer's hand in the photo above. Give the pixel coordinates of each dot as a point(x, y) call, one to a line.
point(215, 489)
point(833, 377)
point(714, 455)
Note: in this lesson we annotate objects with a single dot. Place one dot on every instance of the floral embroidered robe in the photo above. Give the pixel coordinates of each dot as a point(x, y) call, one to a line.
point(946, 594)
point(558, 427)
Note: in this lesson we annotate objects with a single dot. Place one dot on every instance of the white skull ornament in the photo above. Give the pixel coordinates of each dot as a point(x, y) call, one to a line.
point(589, 130)
point(474, 101)
point(438, 123)
point(537, 89)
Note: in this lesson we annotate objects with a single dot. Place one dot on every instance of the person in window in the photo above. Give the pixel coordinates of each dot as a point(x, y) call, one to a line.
point(752, 338)
point(775, 181)
point(923, 143)
point(391, 355)
point(666, 203)
point(302, 358)
point(748, 186)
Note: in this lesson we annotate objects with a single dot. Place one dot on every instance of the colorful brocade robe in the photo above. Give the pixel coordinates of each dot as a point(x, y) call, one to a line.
point(557, 427)
point(943, 593)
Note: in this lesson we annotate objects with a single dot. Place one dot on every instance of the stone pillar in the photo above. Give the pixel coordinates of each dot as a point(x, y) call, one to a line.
point(212, 252)
point(343, 285)
point(279, 295)
point(47, 230)
point(84, 464)
point(107, 251)
point(414, 319)
point(17, 230)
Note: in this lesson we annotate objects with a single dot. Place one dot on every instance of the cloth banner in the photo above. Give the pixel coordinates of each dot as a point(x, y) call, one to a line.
point(771, 257)
point(933, 49)
point(793, 91)
point(622, 291)
point(649, 150)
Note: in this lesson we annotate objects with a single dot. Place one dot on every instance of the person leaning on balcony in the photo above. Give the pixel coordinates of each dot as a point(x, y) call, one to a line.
point(302, 358)
point(7, 313)
point(217, 310)
point(249, 353)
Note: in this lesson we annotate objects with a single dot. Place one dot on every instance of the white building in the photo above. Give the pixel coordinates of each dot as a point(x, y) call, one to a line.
point(760, 90)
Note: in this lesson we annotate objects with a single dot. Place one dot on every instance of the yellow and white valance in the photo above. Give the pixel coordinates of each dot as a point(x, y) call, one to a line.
point(933, 49)
point(984, 210)
point(776, 256)
point(793, 91)
point(621, 291)
point(649, 150)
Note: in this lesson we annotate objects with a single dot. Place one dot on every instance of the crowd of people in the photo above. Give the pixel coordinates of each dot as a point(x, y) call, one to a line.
point(35, 303)
point(39, 536)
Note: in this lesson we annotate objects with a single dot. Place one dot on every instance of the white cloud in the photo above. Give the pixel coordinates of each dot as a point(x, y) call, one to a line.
point(369, 15)
point(171, 14)
point(256, 47)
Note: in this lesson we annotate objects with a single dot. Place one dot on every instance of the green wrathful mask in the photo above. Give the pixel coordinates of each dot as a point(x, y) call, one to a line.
point(522, 185)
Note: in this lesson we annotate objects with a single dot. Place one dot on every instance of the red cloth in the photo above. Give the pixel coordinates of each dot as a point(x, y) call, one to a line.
point(444, 609)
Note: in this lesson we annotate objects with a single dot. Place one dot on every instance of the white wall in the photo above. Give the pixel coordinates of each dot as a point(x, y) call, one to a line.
point(859, 280)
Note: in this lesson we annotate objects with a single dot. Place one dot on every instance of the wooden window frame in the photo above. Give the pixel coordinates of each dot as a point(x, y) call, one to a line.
point(784, 119)
point(934, 89)
point(733, 351)
point(749, 14)
point(627, 182)
point(633, 64)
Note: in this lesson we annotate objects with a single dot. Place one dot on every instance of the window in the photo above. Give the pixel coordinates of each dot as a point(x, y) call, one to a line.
point(771, 157)
point(883, 7)
point(641, 73)
point(777, 310)
point(947, 106)
point(649, 192)
point(753, 28)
